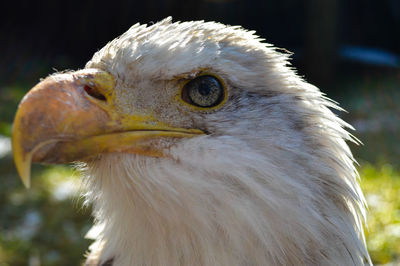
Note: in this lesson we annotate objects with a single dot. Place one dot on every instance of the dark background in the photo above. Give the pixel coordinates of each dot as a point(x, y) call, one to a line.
point(349, 48)
point(40, 35)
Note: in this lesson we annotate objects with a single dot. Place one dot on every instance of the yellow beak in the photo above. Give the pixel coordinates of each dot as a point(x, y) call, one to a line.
point(71, 117)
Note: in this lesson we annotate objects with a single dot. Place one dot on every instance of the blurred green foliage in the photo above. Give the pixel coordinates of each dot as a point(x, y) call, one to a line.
point(372, 102)
point(381, 186)
point(9, 99)
point(46, 224)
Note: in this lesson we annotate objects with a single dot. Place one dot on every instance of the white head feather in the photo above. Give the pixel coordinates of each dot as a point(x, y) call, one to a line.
point(272, 184)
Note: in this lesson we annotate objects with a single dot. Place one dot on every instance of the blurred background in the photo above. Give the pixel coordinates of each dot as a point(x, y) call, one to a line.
point(350, 49)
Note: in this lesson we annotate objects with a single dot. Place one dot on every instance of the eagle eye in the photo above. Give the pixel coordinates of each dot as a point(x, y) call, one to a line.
point(204, 91)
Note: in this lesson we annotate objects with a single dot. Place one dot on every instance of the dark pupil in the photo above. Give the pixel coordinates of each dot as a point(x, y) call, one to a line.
point(205, 88)
point(204, 91)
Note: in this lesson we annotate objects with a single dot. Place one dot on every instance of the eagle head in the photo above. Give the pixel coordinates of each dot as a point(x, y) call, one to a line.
point(199, 145)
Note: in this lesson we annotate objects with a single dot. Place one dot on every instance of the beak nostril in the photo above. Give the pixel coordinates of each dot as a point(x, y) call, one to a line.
point(94, 93)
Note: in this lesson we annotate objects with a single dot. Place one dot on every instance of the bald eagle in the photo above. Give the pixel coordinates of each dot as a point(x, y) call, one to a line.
point(199, 145)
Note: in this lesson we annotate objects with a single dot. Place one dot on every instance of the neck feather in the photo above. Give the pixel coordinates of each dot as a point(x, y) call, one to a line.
point(230, 208)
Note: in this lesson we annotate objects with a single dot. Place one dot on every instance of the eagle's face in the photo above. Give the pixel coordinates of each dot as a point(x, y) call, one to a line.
point(200, 145)
point(259, 96)
point(153, 64)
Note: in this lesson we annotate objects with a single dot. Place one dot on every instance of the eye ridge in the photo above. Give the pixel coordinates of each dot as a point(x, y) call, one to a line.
point(204, 91)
